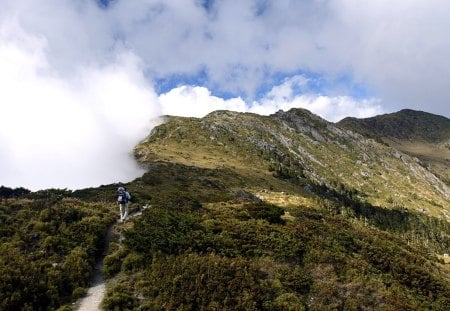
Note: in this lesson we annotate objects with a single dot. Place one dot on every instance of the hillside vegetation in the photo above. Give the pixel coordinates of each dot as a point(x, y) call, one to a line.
point(286, 212)
point(207, 244)
point(49, 243)
point(243, 212)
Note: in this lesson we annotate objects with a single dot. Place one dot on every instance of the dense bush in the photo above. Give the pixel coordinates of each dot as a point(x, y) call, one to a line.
point(263, 210)
point(199, 247)
point(9, 193)
point(48, 249)
point(163, 230)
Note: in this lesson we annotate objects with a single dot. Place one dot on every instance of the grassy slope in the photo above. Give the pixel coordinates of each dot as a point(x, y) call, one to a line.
point(203, 245)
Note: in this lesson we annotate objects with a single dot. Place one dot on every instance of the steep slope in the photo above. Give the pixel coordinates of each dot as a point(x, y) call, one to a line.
point(300, 146)
point(419, 134)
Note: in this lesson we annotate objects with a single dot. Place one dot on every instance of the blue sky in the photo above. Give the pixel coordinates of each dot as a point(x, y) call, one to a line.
point(74, 67)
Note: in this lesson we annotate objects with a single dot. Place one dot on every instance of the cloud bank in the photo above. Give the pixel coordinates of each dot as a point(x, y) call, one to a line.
point(69, 131)
point(398, 51)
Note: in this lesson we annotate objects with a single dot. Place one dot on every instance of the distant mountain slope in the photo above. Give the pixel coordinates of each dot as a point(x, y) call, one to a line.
point(419, 134)
point(403, 125)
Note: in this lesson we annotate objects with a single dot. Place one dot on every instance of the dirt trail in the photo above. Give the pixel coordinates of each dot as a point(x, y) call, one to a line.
point(96, 293)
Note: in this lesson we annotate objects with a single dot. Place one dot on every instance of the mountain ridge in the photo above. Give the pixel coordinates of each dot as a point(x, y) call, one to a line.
point(303, 145)
point(404, 124)
point(419, 134)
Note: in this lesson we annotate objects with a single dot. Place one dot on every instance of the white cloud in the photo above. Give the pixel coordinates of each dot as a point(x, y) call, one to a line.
point(331, 108)
point(195, 101)
point(61, 131)
point(399, 50)
point(328, 107)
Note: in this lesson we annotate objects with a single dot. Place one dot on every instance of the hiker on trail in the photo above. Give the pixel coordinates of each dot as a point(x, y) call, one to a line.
point(123, 199)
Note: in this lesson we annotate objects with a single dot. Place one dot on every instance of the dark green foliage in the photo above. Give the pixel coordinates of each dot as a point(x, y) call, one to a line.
point(255, 239)
point(186, 257)
point(113, 262)
point(104, 193)
point(417, 228)
point(50, 194)
point(121, 299)
point(286, 167)
point(9, 193)
point(48, 249)
point(194, 282)
point(263, 210)
point(159, 229)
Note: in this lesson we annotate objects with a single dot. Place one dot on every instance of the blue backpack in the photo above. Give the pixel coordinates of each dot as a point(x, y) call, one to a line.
point(124, 196)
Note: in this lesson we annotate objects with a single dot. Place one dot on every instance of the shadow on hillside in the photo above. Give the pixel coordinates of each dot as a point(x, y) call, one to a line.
point(349, 202)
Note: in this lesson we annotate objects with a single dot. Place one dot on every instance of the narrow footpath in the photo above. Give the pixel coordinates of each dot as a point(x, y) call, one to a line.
point(96, 293)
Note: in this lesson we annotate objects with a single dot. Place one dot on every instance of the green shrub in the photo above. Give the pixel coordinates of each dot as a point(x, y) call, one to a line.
point(120, 298)
point(288, 302)
point(79, 292)
point(194, 282)
point(162, 230)
point(266, 211)
point(48, 249)
point(113, 262)
point(133, 262)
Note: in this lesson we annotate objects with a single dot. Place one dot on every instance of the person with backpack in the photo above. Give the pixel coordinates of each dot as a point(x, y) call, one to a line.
point(123, 198)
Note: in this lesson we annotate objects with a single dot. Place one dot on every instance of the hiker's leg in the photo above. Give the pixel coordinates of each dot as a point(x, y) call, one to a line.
point(125, 214)
point(121, 211)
